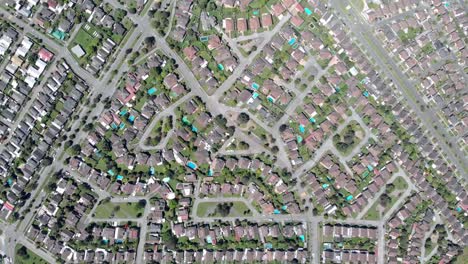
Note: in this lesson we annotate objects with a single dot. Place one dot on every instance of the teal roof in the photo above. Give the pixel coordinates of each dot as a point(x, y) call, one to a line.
point(192, 165)
point(152, 91)
point(58, 34)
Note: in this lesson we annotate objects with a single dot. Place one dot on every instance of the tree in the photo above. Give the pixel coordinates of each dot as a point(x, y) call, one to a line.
point(243, 118)
point(23, 252)
point(47, 161)
point(150, 41)
point(142, 203)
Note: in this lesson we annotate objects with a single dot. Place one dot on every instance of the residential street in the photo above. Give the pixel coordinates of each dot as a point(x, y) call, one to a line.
point(364, 35)
point(286, 191)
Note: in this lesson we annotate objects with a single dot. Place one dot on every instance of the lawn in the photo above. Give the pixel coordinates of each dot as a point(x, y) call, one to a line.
point(348, 138)
point(119, 210)
point(87, 41)
point(205, 209)
point(373, 213)
point(358, 4)
point(26, 256)
point(400, 183)
point(376, 211)
point(461, 259)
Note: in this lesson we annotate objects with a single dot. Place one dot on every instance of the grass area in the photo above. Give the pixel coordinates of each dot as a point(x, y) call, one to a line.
point(373, 213)
point(400, 183)
point(348, 138)
point(26, 256)
point(119, 210)
point(358, 4)
point(87, 42)
point(207, 209)
point(376, 211)
point(461, 259)
point(409, 35)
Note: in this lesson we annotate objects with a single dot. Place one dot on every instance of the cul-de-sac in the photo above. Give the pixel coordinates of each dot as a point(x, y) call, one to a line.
point(234, 131)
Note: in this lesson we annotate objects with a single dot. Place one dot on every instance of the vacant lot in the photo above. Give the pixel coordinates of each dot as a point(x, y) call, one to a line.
point(229, 209)
point(119, 210)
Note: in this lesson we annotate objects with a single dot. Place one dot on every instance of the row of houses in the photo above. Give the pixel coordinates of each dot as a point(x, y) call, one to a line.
point(245, 256)
point(428, 150)
point(252, 24)
point(45, 102)
point(257, 232)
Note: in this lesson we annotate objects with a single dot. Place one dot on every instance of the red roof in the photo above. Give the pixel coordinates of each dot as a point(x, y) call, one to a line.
point(8, 206)
point(45, 55)
point(52, 3)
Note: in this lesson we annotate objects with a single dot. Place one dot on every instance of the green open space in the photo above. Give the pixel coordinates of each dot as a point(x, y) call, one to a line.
point(87, 41)
point(214, 209)
point(358, 4)
point(400, 183)
point(119, 210)
point(348, 138)
point(461, 259)
point(26, 256)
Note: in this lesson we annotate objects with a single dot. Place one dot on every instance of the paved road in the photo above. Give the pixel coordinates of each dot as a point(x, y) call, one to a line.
point(364, 35)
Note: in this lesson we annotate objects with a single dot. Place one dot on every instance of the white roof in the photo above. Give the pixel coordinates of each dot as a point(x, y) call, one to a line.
point(78, 51)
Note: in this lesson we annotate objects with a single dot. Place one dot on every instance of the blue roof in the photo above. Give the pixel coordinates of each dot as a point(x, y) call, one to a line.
point(255, 86)
point(276, 211)
point(208, 239)
point(308, 11)
point(151, 171)
point(131, 118)
point(119, 177)
point(194, 129)
point(111, 172)
point(349, 198)
point(302, 238)
point(292, 41)
point(123, 112)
